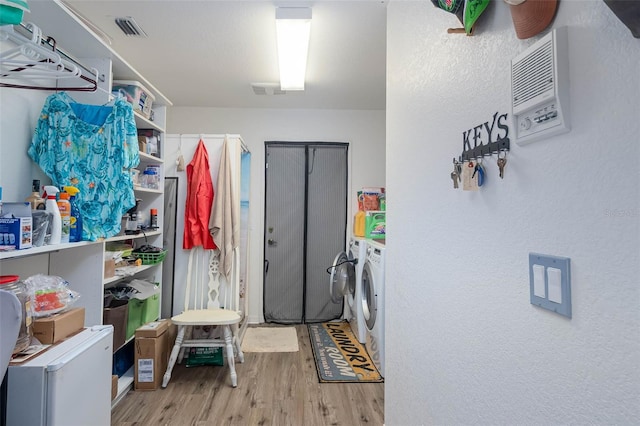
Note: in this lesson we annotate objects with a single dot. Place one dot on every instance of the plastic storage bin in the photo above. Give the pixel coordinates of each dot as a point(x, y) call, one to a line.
point(136, 94)
point(123, 359)
point(150, 309)
point(136, 308)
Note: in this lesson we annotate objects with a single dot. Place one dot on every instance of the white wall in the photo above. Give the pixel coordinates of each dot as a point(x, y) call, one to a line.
point(464, 345)
point(364, 130)
point(19, 112)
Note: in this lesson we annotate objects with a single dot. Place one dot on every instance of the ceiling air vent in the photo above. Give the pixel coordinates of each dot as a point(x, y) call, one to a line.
point(267, 89)
point(130, 27)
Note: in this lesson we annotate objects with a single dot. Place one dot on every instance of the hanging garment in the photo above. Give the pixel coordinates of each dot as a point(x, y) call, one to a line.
point(223, 223)
point(199, 200)
point(91, 147)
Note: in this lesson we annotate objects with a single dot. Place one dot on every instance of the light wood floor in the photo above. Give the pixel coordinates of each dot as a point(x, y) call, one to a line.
point(275, 389)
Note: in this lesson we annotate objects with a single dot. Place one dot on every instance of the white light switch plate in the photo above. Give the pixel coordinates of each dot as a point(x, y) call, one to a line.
point(550, 283)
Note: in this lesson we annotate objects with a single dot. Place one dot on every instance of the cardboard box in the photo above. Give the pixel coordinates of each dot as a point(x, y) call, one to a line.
point(152, 350)
point(153, 329)
point(109, 268)
point(57, 327)
point(114, 387)
point(16, 232)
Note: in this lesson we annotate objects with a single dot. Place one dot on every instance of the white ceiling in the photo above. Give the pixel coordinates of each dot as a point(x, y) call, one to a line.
point(207, 53)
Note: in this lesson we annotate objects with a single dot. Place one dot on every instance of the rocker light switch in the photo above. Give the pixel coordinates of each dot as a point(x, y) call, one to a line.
point(538, 281)
point(550, 283)
point(554, 278)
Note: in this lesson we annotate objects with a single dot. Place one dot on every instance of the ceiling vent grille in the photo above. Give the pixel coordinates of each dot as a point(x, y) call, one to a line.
point(130, 27)
point(267, 89)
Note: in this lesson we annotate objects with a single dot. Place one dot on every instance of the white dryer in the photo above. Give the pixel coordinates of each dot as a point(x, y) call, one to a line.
point(344, 284)
point(372, 301)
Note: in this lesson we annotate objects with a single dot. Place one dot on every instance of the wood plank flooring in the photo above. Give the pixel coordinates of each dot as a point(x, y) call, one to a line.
point(274, 389)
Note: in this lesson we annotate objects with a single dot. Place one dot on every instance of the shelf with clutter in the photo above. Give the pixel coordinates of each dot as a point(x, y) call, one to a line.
point(80, 263)
point(370, 219)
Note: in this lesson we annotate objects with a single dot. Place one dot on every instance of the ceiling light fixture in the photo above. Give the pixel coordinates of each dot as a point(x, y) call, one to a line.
point(293, 28)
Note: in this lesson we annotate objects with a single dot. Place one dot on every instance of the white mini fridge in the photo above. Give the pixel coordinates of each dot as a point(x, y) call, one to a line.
point(68, 385)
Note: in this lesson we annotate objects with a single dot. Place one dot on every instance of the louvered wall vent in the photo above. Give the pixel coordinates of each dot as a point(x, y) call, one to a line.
point(267, 89)
point(540, 88)
point(130, 27)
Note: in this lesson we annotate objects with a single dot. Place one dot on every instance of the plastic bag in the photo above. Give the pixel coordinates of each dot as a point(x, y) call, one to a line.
point(49, 295)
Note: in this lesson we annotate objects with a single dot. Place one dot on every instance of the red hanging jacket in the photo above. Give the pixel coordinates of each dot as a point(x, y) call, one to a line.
point(199, 201)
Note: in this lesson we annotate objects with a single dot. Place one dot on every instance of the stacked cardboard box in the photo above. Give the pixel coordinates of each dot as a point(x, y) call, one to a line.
point(52, 329)
point(153, 345)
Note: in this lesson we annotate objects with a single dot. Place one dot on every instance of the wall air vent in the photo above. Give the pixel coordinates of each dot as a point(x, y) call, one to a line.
point(540, 89)
point(130, 27)
point(267, 89)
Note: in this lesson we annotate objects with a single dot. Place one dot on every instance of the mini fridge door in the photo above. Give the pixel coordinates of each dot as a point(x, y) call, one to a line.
point(68, 385)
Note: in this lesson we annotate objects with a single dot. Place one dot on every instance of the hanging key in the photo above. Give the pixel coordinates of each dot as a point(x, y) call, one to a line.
point(502, 161)
point(454, 177)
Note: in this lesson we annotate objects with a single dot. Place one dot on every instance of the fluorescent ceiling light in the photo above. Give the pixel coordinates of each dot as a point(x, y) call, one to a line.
point(293, 27)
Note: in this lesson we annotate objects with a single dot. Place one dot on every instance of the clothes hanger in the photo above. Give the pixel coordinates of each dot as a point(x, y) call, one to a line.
point(30, 60)
point(180, 159)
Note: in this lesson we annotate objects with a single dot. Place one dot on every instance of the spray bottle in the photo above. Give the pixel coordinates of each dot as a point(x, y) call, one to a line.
point(52, 207)
point(65, 216)
point(75, 234)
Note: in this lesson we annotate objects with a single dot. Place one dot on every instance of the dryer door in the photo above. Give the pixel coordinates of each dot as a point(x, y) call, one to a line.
point(351, 291)
point(369, 298)
point(343, 277)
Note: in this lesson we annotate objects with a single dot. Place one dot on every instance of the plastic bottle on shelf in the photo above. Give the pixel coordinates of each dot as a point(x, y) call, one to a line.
point(146, 179)
point(75, 232)
point(153, 179)
point(153, 219)
point(36, 201)
point(359, 224)
point(52, 207)
point(64, 205)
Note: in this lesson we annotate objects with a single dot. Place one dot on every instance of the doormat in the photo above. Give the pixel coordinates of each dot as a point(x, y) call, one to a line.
point(340, 358)
point(270, 339)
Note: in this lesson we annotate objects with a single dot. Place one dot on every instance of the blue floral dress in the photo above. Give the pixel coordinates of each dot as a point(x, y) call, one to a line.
point(91, 147)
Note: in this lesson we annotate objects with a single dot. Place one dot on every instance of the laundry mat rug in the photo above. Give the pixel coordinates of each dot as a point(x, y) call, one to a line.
point(270, 339)
point(340, 358)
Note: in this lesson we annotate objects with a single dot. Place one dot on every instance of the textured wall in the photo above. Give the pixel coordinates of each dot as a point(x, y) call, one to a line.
point(364, 130)
point(464, 345)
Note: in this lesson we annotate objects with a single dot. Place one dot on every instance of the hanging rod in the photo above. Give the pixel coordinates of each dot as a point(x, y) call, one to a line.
point(31, 35)
point(49, 43)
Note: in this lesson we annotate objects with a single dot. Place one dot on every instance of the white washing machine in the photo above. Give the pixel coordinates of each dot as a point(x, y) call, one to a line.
point(344, 284)
point(372, 301)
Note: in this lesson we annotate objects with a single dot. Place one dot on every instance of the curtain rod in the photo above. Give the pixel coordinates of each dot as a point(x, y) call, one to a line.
point(216, 136)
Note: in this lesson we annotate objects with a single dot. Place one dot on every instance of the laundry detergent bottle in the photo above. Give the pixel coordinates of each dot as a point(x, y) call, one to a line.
point(64, 205)
point(52, 207)
point(359, 224)
point(75, 231)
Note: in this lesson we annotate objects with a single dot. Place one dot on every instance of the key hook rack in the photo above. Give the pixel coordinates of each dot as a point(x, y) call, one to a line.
point(501, 145)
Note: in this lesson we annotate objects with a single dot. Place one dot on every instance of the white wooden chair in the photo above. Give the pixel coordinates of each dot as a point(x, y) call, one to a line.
point(202, 307)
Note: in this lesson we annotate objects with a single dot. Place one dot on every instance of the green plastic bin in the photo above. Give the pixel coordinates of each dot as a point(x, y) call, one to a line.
point(136, 312)
point(151, 309)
